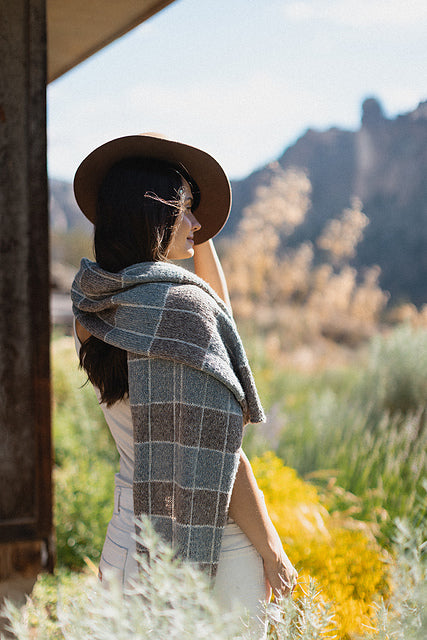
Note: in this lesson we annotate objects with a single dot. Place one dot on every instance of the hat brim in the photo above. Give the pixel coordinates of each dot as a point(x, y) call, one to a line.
point(214, 186)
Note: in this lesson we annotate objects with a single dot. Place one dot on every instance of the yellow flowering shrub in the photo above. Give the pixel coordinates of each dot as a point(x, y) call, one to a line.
point(347, 563)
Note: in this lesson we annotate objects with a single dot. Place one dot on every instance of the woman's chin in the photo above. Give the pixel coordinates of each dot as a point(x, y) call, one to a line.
point(188, 253)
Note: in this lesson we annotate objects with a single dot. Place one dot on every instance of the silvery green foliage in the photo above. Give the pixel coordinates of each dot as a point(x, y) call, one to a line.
point(18, 622)
point(405, 616)
point(170, 599)
point(309, 618)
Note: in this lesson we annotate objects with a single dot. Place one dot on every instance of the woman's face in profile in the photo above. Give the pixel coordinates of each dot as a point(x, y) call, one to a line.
point(182, 242)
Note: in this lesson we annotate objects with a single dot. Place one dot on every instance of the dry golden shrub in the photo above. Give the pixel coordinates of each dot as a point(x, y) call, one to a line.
point(286, 292)
point(369, 299)
point(409, 314)
point(294, 274)
point(252, 257)
point(341, 237)
point(335, 291)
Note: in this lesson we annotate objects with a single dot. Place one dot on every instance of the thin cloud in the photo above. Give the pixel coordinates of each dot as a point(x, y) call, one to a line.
point(360, 13)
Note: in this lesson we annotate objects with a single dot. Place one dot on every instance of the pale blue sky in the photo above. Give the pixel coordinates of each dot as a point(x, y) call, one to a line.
point(242, 79)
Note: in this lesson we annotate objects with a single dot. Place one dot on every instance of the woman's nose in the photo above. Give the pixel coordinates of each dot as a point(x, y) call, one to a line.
point(195, 223)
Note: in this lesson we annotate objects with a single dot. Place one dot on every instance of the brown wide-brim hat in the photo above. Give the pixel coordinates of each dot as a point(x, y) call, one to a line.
point(214, 186)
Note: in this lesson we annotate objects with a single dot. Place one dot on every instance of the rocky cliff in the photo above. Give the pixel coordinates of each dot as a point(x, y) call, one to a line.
point(384, 163)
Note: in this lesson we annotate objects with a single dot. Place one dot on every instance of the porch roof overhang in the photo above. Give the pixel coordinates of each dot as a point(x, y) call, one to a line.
point(76, 29)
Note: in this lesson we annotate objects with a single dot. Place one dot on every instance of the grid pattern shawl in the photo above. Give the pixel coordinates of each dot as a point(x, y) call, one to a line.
point(191, 391)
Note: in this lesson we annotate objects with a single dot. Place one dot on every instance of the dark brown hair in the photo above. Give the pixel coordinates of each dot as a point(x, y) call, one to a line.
point(138, 205)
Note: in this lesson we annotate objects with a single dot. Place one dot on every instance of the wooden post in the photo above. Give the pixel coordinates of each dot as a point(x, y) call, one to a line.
point(26, 544)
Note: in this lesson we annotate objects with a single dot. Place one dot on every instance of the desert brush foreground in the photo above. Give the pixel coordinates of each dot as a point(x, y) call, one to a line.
point(342, 464)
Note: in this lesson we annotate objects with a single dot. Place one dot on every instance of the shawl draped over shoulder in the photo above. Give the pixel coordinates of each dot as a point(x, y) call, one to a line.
point(191, 391)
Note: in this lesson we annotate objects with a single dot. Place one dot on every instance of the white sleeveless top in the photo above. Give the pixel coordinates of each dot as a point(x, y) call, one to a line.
point(119, 421)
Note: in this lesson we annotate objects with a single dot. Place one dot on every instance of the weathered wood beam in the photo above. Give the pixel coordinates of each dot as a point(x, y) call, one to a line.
point(25, 440)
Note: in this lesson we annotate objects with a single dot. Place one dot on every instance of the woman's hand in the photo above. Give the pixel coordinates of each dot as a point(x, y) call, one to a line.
point(280, 575)
point(248, 510)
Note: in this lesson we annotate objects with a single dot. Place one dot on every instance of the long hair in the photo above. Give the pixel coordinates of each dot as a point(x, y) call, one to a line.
point(137, 209)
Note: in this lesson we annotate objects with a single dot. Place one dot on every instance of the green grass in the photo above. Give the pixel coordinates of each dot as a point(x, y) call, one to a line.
point(359, 432)
point(85, 462)
point(384, 467)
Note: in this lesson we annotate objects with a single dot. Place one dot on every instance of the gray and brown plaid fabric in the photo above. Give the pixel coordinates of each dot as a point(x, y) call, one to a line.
point(191, 391)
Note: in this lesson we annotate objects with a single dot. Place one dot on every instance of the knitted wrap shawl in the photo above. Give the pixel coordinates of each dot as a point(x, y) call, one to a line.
point(191, 391)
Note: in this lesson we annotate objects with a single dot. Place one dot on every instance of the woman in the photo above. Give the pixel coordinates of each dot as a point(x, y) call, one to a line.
point(161, 348)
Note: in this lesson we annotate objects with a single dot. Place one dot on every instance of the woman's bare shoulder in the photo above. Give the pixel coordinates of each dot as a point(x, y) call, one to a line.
point(82, 333)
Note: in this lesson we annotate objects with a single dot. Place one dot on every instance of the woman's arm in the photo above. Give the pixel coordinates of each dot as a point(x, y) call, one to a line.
point(247, 506)
point(208, 267)
point(248, 510)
